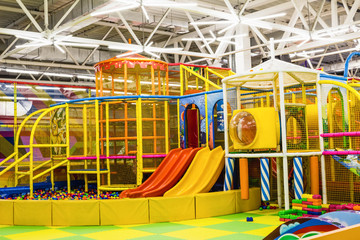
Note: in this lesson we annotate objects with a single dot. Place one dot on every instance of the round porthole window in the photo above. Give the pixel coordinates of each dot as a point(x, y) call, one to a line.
point(243, 128)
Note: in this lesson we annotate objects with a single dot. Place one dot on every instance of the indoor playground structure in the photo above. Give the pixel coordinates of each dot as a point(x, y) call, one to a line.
point(284, 133)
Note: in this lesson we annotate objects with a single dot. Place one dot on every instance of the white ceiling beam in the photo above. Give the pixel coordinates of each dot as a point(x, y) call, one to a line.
point(258, 42)
point(120, 34)
point(324, 54)
point(199, 33)
point(318, 15)
point(316, 44)
point(345, 6)
point(176, 56)
point(354, 9)
point(46, 14)
point(321, 21)
point(107, 43)
point(46, 64)
point(223, 45)
point(191, 34)
point(94, 50)
point(165, 44)
point(340, 55)
point(32, 76)
point(259, 34)
point(203, 51)
point(186, 48)
point(301, 16)
point(14, 41)
point(322, 58)
point(66, 14)
point(19, 10)
point(292, 22)
point(157, 26)
point(147, 30)
point(244, 7)
point(334, 13)
point(32, 19)
point(129, 28)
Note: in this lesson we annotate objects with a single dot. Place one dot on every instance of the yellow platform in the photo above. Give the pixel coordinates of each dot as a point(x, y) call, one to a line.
point(125, 211)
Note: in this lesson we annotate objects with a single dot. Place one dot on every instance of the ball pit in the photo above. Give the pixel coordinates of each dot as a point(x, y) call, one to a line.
point(62, 194)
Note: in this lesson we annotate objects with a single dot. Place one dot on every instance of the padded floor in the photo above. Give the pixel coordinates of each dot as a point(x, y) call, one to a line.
point(223, 227)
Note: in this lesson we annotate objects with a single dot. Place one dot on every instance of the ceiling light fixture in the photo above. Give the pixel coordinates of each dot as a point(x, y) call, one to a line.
point(58, 74)
point(21, 71)
point(142, 4)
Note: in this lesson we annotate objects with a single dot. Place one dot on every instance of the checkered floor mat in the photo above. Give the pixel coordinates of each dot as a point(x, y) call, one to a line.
point(223, 227)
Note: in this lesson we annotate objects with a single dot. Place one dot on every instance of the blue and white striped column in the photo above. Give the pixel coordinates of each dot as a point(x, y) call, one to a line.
point(265, 179)
point(229, 173)
point(298, 177)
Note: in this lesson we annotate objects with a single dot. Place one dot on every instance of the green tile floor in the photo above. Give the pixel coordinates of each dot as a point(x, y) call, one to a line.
point(223, 227)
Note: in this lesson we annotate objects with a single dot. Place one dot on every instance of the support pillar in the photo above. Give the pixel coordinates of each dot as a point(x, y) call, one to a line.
point(265, 179)
point(298, 177)
point(244, 178)
point(242, 59)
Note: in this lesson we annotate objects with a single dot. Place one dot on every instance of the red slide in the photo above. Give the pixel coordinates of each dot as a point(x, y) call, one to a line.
point(170, 175)
point(160, 170)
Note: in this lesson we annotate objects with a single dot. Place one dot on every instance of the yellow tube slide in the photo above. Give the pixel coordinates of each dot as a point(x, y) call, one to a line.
point(202, 173)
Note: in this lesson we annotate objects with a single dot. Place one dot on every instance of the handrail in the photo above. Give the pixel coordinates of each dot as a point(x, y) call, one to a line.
point(22, 174)
point(215, 73)
point(38, 120)
point(8, 158)
point(340, 84)
point(346, 70)
point(14, 163)
point(201, 77)
point(50, 169)
point(23, 123)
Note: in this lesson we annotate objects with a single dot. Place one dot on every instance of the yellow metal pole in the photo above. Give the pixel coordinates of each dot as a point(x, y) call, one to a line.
point(107, 142)
point(67, 116)
point(139, 142)
point(52, 177)
point(181, 80)
point(349, 117)
point(303, 92)
point(206, 120)
point(178, 111)
point(85, 145)
point(167, 80)
point(166, 126)
point(268, 99)
point(152, 80)
point(293, 98)
point(186, 81)
point(125, 78)
point(97, 146)
point(15, 126)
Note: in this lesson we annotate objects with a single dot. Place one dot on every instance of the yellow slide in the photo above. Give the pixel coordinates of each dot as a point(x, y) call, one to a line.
point(202, 173)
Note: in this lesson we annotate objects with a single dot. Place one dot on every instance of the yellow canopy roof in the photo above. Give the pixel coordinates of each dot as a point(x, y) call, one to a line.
point(263, 75)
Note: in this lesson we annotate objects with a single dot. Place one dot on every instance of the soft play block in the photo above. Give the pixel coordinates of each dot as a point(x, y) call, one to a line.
point(6, 212)
point(252, 203)
point(32, 212)
point(124, 211)
point(76, 213)
point(166, 209)
point(214, 204)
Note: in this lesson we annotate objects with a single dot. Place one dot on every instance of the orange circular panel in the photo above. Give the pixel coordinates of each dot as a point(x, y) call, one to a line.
point(243, 128)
